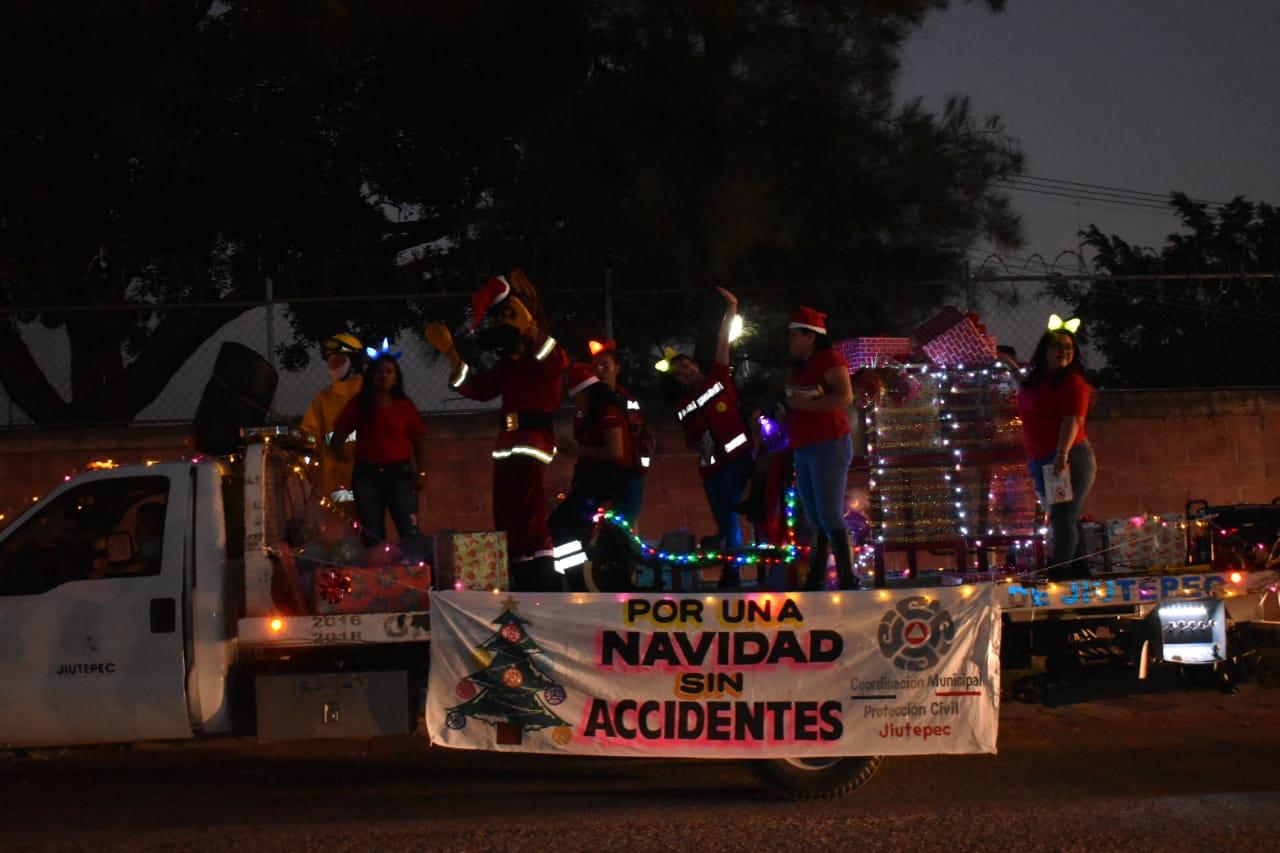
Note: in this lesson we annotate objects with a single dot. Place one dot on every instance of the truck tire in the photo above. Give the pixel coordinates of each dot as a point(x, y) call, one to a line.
point(815, 778)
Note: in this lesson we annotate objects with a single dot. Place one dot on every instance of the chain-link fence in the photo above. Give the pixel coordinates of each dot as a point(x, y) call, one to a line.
point(130, 364)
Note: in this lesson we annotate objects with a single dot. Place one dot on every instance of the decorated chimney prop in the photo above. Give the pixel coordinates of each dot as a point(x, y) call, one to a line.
point(873, 351)
point(952, 339)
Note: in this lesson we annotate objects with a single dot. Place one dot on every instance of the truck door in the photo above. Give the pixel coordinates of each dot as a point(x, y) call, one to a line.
point(92, 586)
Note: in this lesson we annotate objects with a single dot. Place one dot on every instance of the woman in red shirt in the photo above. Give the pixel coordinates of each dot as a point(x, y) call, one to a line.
point(390, 451)
point(819, 392)
point(1053, 403)
point(602, 443)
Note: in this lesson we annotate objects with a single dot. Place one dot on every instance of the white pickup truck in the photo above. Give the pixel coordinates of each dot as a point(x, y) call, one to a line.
point(137, 603)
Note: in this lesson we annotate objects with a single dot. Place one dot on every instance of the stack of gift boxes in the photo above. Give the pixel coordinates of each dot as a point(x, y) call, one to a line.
point(1134, 544)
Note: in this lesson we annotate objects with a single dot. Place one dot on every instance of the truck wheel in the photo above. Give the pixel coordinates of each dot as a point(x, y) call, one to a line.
point(815, 778)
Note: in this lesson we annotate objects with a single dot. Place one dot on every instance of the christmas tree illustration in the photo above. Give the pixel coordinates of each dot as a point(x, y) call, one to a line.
point(509, 691)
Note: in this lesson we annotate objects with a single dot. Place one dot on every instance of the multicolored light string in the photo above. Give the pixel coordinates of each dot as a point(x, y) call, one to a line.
point(763, 553)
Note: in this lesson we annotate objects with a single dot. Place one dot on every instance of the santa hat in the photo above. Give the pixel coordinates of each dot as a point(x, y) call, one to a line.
point(807, 318)
point(494, 291)
point(581, 377)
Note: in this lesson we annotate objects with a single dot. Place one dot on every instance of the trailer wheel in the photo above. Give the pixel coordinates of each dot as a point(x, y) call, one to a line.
point(815, 778)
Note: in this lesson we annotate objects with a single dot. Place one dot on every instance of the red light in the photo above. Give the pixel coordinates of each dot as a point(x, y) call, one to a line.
point(595, 346)
point(1236, 577)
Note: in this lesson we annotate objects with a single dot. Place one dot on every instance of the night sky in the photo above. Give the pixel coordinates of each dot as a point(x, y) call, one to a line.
point(1147, 95)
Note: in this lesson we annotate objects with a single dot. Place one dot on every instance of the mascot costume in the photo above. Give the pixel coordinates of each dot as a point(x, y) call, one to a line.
point(344, 357)
point(508, 320)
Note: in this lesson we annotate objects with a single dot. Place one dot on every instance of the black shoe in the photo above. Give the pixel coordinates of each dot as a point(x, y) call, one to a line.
point(816, 579)
point(841, 547)
point(729, 580)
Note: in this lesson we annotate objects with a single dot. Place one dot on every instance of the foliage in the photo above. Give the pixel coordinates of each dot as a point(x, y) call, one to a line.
point(1211, 329)
point(160, 152)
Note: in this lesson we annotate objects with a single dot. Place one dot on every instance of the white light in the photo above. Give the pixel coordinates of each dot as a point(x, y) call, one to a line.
point(735, 328)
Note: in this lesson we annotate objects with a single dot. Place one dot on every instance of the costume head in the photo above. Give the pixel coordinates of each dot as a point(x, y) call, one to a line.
point(344, 354)
point(504, 311)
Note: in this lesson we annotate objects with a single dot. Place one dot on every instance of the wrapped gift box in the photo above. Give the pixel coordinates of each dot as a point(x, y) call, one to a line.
point(476, 561)
point(377, 589)
point(1128, 543)
point(1168, 541)
point(870, 352)
point(1094, 546)
point(952, 338)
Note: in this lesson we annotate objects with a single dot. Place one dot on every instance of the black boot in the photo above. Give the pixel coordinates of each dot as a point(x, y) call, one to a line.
point(524, 576)
point(548, 579)
point(843, 551)
point(819, 550)
point(729, 577)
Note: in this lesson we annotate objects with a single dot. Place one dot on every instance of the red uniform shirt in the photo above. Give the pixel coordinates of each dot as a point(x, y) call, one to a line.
point(1042, 409)
point(592, 435)
point(808, 428)
point(531, 383)
point(641, 447)
point(386, 437)
point(711, 421)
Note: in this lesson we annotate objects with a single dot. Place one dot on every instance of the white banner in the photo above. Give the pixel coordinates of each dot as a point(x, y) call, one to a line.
point(753, 675)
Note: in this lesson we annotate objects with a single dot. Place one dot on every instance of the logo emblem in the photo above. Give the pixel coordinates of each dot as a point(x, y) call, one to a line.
point(916, 634)
point(721, 407)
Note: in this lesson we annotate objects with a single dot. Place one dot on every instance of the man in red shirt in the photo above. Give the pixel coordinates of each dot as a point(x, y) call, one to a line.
point(527, 377)
point(713, 427)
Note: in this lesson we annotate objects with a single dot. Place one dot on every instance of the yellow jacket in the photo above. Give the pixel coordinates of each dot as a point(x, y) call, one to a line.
point(319, 419)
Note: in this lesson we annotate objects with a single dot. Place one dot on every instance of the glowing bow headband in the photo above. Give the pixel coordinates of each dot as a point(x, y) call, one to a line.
point(665, 365)
point(386, 350)
point(597, 347)
point(1056, 323)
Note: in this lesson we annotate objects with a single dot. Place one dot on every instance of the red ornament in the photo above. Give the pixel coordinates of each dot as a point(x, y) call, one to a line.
point(511, 633)
point(333, 586)
point(465, 690)
point(513, 678)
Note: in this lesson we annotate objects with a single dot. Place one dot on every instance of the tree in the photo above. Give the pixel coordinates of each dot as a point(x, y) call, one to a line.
point(185, 152)
point(509, 691)
point(1212, 331)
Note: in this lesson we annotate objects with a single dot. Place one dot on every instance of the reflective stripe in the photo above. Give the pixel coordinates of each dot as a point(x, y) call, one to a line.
point(350, 438)
point(524, 450)
point(569, 562)
point(644, 461)
point(708, 394)
point(566, 549)
point(705, 397)
point(547, 346)
point(633, 405)
point(342, 496)
point(462, 376)
point(735, 442)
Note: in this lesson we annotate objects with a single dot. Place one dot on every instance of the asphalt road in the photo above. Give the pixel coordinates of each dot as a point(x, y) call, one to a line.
point(1194, 770)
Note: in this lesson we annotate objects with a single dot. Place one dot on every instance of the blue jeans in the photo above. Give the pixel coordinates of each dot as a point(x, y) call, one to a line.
point(383, 488)
point(724, 487)
point(1064, 518)
point(822, 470)
point(631, 498)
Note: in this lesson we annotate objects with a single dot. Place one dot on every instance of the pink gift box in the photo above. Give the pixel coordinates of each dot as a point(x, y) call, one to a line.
point(951, 338)
point(869, 352)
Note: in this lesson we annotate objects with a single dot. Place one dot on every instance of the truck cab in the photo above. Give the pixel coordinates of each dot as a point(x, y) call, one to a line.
point(114, 608)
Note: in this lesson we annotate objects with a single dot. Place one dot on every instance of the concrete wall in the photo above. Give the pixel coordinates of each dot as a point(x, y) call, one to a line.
point(1155, 450)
